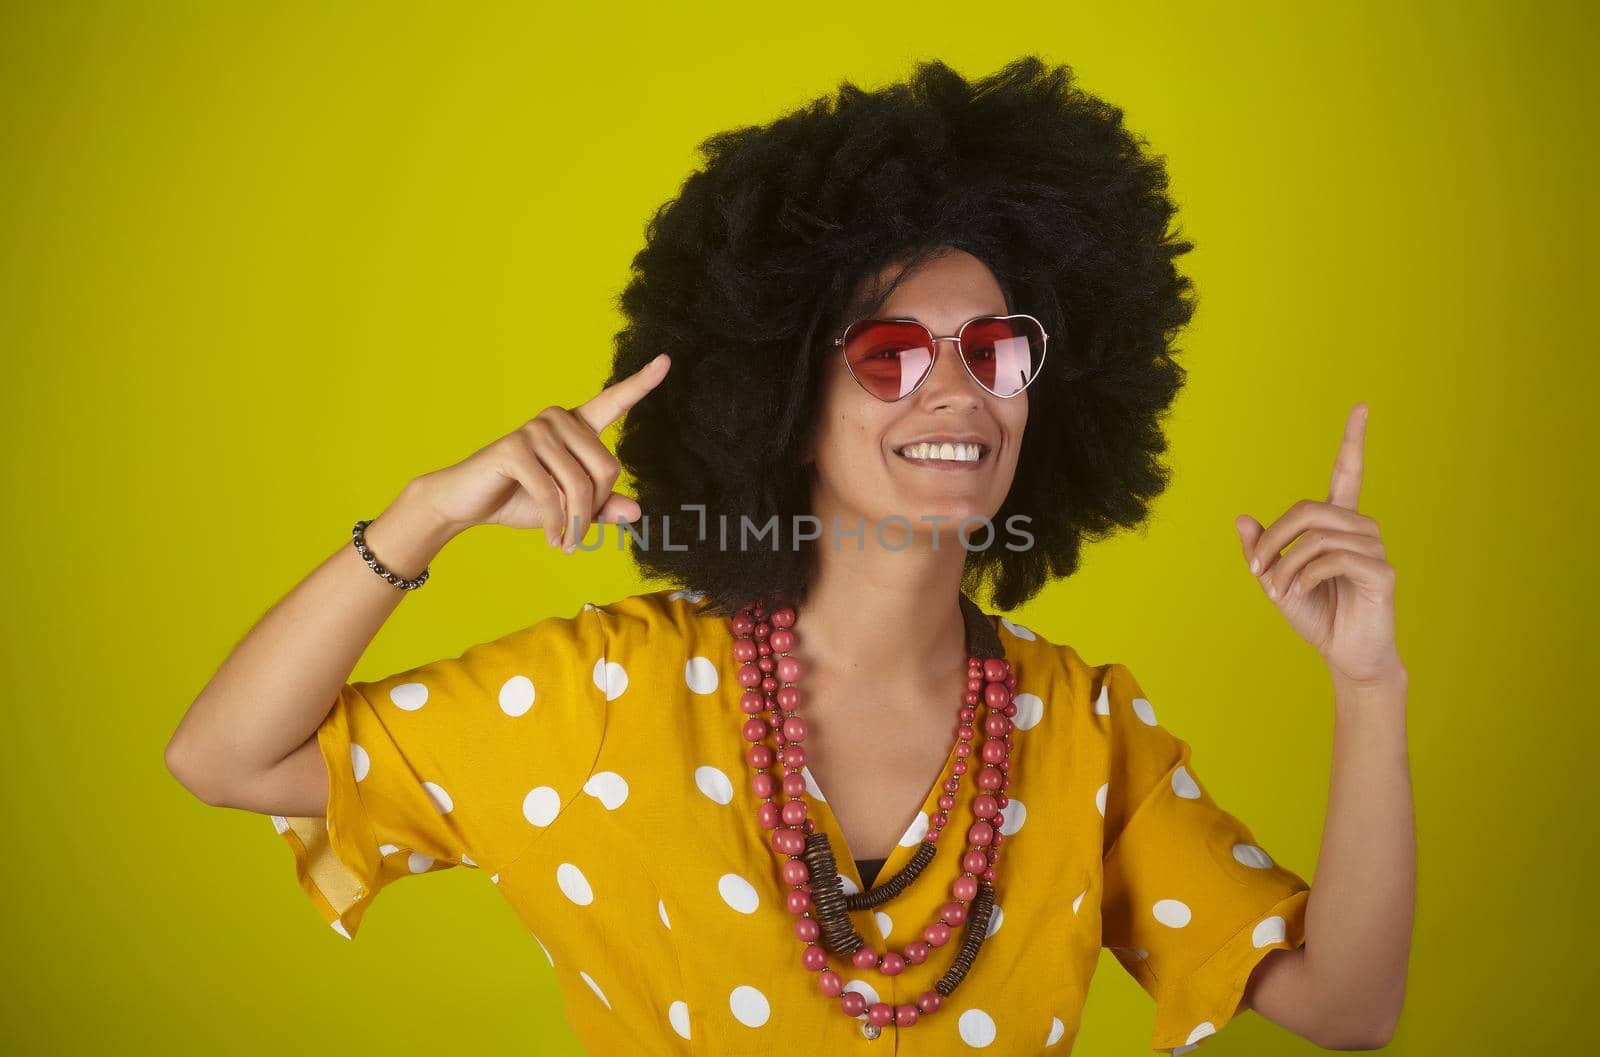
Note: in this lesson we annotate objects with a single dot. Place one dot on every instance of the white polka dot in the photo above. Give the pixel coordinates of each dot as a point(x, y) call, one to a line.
point(338, 926)
point(494, 878)
point(976, 1028)
point(1078, 900)
point(847, 886)
point(595, 988)
point(1252, 856)
point(1201, 1030)
point(811, 784)
point(678, 1017)
point(1184, 785)
point(1179, 1051)
point(996, 916)
point(918, 830)
point(409, 696)
point(1012, 817)
point(738, 893)
point(1018, 630)
point(1057, 1029)
point(885, 925)
point(749, 1006)
point(701, 675)
point(573, 884)
point(1100, 799)
point(1102, 704)
point(466, 860)
point(588, 607)
point(541, 805)
point(440, 798)
point(1030, 710)
point(546, 950)
point(1145, 711)
point(609, 787)
point(713, 783)
point(865, 990)
point(516, 695)
point(1173, 913)
point(280, 823)
point(360, 762)
point(612, 678)
point(661, 909)
point(417, 862)
point(388, 849)
point(1269, 931)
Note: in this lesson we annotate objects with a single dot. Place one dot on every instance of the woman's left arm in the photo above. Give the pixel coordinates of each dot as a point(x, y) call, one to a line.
point(1345, 987)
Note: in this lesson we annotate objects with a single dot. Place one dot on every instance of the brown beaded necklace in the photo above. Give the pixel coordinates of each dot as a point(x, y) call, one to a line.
point(764, 639)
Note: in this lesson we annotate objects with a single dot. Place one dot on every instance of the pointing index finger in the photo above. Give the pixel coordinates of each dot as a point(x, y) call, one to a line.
point(1345, 488)
point(608, 405)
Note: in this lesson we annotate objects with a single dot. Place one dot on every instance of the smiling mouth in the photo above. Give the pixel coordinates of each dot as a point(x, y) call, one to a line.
point(944, 454)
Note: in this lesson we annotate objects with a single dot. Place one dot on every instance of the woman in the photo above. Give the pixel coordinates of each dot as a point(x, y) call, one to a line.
point(880, 356)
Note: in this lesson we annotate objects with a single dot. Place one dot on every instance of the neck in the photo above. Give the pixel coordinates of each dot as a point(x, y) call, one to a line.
point(888, 620)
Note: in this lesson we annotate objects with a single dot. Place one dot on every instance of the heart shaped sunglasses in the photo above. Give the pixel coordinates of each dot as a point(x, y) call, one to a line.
point(891, 358)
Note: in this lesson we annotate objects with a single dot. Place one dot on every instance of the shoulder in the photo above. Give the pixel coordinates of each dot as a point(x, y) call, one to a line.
point(1039, 653)
point(1046, 661)
point(657, 618)
point(598, 627)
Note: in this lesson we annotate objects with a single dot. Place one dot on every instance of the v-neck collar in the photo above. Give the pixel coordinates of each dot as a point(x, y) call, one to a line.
point(982, 640)
point(826, 821)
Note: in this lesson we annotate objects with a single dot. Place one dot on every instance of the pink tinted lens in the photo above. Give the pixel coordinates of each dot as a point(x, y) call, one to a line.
point(888, 358)
point(1003, 354)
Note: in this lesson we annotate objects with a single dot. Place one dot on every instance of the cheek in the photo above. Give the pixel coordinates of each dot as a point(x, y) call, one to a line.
point(1016, 417)
point(851, 442)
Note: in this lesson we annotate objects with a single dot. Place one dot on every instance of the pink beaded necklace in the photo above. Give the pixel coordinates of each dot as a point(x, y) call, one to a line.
point(764, 638)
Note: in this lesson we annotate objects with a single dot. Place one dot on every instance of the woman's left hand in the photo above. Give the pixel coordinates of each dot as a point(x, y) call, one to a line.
point(1334, 587)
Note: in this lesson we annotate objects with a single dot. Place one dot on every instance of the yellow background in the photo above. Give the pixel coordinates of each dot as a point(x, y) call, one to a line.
point(263, 264)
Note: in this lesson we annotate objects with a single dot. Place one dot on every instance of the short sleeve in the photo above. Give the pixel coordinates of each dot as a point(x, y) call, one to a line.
point(461, 761)
point(1192, 902)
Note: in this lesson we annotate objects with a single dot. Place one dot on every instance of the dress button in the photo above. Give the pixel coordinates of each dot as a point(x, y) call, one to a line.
point(869, 1029)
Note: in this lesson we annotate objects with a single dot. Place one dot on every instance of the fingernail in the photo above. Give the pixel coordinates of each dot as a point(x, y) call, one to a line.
point(1272, 589)
point(1255, 566)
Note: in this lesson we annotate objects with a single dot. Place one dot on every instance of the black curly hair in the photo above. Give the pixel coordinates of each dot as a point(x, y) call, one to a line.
point(751, 270)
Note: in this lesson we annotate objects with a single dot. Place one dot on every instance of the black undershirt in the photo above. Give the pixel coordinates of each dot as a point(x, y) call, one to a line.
point(868, 869)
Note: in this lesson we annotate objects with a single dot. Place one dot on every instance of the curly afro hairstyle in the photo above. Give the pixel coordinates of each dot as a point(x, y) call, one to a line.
point(762, 257)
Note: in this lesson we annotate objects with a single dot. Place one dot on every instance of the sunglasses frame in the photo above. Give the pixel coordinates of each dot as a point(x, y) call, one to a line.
point(842, 340)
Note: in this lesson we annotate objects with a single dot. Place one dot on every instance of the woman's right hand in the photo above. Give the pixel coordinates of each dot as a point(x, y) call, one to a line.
point(548, 471)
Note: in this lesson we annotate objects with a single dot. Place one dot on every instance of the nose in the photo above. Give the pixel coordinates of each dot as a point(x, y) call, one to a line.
point(950, 384)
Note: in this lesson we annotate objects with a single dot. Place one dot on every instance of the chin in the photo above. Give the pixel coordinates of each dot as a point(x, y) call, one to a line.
point(950, 513)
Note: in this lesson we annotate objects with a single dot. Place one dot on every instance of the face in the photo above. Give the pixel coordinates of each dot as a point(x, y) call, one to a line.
point(858, 440)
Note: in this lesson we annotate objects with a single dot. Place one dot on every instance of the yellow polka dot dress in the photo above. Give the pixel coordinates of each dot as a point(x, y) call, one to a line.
point(592, 768)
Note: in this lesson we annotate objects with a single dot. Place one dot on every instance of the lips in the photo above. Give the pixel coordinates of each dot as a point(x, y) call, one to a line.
point(927, 458)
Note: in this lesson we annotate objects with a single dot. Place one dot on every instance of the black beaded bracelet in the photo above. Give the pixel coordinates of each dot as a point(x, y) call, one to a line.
point(358, 537)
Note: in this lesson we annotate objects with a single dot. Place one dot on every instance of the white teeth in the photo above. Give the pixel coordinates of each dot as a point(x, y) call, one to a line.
point(945, 452)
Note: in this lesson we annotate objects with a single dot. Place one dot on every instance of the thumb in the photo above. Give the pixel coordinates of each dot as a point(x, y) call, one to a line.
point(618, 508)
point(1249, 530)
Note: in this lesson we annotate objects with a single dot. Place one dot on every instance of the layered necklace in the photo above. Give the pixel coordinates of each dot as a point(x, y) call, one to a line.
point(764, 642)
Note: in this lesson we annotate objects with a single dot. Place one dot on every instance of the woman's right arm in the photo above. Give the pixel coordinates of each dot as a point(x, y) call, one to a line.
point(250, 739)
